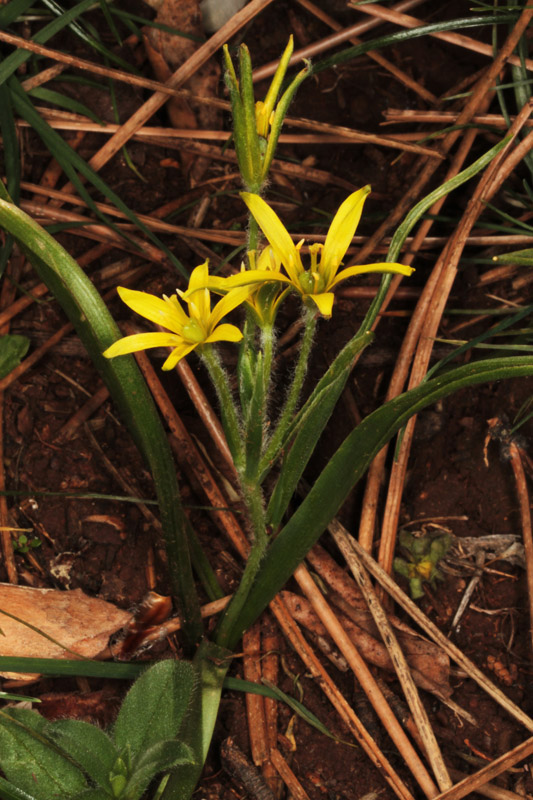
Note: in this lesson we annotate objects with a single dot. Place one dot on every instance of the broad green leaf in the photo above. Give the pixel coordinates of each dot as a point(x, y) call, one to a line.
point(13, 348)
point(155, 706)
point(10, 792)
point(161, 757)
point(348, 465)
point(211, 664)
point(31, 762)
point(97, 330)
point(89, 746)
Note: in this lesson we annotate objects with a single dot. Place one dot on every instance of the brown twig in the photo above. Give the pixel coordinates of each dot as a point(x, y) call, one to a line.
point(406, 21)
point(367, 681)
point(255, 707)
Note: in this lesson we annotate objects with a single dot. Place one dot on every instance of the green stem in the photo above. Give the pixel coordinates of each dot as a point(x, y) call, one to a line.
point(224, 635)
point(267, 341)
point(253, 234)
point(228, 410)
point(294, 392)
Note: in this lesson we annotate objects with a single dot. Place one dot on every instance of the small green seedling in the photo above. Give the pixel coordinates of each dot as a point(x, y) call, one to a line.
point(13, 348)
point(23, 544)
point(423, 554)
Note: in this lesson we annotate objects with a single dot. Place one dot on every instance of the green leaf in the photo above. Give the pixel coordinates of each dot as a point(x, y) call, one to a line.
point(155, 706)
point(63, 101)
point(347, 466)
point(31, 762)
point(211, 664)
point(10, 792)
point(310, 425)
point(523, 258)
point(255, 420)
point(13, 348)
point(89, 746)
point(161, 757)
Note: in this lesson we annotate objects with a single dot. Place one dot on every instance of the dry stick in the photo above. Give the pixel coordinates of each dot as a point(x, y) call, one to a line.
point(35, 357)
point(400, 374)
point(206, 413)
point(349, 546)
point(296, 790)
point(270, 672)
point(446, 267)
point(343, 708)
point(43, 77)
point(329, 134)
point(81, 416)
point(261, 73)
point(404, 675)
point(402, 76)
point(255, 707)
point(495, 768)
point(395, 115)
point(87, 66)
point(489, 790)
point(92, 230)
point(367, 681)
point(525, 516)
point(406, 21)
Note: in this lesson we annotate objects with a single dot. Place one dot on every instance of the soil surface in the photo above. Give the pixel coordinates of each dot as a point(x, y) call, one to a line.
point(109, 549)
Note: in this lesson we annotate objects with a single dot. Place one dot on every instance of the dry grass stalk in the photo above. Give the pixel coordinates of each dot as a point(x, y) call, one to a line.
point(255, 708)
point(294, 786)
point(343, 708)
point(492, 770)
point(367, 681)
point(403, 672)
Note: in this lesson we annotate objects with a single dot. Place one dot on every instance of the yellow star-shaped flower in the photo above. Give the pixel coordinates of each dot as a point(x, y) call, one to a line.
point(315, 283)
point(186, 331)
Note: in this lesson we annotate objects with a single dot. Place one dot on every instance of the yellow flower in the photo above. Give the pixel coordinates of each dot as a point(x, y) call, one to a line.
point(186, 330)
point(315, 283)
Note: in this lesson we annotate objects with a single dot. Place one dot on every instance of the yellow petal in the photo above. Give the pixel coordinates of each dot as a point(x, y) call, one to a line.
point(197, 293)
point(179, 352)
point(341, 232)
point(225, 333)
point(141, 341)
point(230, 301)
point(253, 276)
point(324, 302)
point(156, 309)
point(349, 272)
point(276, 233)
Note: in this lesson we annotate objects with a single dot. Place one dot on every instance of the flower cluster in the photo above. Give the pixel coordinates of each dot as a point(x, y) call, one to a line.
point(263, 286)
